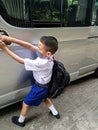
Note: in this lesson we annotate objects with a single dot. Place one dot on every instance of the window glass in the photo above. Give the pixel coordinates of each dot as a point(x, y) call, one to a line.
point(14, 12)
point(95, 13)
point(47, 13)
point(46, 10)
point(64, 12)
point(16, 8)
point(77, 12)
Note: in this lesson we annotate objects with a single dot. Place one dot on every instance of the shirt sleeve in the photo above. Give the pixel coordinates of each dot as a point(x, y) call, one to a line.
point(35, 65)
point(30, 65)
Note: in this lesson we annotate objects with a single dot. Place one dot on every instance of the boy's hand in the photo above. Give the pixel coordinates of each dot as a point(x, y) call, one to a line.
point(2, 44)
point(6, 39)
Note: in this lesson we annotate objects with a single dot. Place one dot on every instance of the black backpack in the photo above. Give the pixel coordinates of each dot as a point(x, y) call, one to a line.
point(59, 80)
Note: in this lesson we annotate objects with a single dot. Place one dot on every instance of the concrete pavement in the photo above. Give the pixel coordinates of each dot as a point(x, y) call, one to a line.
point(78, 107)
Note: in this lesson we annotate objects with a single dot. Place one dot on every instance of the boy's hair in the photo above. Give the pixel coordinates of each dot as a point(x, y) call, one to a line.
point(50, 42)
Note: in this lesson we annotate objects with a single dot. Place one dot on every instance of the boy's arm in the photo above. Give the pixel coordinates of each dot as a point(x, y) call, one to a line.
point(20, 42)
point(10, 53)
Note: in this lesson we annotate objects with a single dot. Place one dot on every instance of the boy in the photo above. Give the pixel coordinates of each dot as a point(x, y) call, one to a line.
point(42, 71)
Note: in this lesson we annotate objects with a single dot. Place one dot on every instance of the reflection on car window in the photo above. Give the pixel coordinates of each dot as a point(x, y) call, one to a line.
point(46, 13)
point(95, 13)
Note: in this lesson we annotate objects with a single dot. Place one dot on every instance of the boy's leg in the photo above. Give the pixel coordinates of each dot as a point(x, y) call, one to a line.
point(52, 108)
point(24, 112)
point(20, 120)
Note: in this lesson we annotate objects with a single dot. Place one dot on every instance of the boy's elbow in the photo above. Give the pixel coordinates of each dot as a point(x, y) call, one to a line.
point(22, 62)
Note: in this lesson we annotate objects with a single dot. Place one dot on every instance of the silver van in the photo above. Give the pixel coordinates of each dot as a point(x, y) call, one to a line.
point(73, 22)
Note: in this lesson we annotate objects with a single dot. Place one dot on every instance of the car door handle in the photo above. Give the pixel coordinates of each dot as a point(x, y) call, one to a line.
point(92, 37)
point(3, 32)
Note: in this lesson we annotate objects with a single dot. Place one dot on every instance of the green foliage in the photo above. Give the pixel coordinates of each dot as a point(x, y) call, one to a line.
point(46, 15)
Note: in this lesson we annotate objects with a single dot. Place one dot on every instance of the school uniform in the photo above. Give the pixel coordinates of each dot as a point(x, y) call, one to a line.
point(42, 72)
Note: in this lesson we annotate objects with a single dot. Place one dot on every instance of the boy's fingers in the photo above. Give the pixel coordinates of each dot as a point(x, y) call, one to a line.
point(5, 38)
point(2, 43)
point(0, 37)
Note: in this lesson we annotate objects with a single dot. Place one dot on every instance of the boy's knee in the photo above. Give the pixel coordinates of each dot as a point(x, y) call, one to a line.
point(25, 105)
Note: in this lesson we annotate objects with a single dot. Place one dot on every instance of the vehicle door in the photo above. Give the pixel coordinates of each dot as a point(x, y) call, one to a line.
point(15, 81)
point(91, 53)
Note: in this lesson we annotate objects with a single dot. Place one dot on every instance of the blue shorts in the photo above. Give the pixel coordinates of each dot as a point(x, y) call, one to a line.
point(36, 95)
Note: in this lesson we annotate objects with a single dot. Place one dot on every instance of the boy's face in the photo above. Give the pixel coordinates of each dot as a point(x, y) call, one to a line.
point(43, 50)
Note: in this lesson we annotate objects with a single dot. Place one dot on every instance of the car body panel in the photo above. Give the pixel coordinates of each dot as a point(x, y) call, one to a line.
point(77, 51)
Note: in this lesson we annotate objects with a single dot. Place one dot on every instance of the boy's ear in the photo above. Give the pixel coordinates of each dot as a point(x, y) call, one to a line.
point(49, 53)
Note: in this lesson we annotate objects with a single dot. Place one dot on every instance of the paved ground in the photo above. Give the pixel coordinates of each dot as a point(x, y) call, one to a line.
point(78, 107)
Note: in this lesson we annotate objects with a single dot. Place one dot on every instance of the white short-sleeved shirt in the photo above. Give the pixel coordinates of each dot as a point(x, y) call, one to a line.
point(41, 67)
